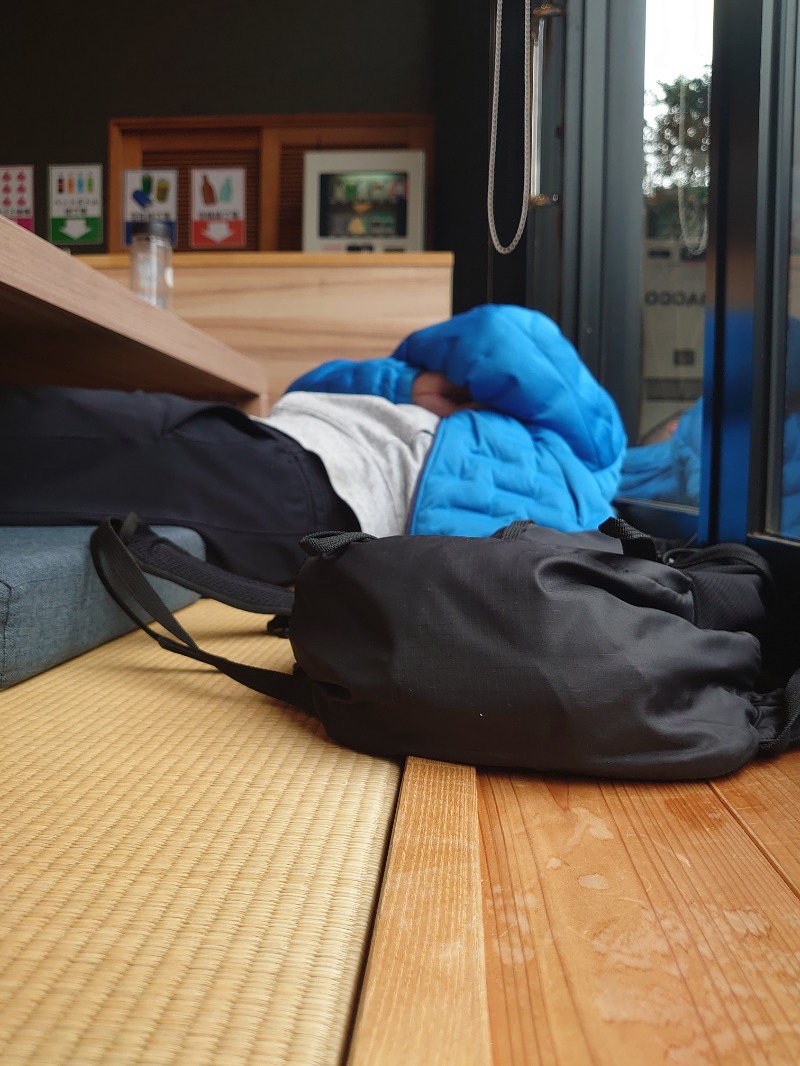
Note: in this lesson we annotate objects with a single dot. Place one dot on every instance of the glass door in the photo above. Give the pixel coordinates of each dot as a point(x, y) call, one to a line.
point(676, 145)
point(664, 464)
point(669, 249)
point(782, 479)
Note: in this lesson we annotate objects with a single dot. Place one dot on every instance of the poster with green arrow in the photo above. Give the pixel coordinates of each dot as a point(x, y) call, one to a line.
point(76, 204)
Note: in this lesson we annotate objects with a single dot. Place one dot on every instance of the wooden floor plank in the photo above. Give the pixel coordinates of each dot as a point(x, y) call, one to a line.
point(531, 1013)
point(634, 924)
point(765, 797)
point(424, 996)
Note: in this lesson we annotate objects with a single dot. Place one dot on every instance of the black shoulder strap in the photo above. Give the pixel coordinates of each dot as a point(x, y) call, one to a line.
point(161, 558)
point(126, 584)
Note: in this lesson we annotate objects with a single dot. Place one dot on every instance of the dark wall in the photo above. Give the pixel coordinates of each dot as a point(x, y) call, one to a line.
point(74, 74)
point(461, 86)
point(179, 58)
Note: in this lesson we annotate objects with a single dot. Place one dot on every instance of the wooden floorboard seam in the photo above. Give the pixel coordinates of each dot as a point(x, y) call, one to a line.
point(768, 854)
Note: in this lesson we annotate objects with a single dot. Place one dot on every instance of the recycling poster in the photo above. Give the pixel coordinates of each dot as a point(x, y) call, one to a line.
point(16, 194)
point(76, 204)
point(218, 208)
point(150, 195)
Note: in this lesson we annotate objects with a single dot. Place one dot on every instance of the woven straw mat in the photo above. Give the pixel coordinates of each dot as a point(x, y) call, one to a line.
point(188, 870)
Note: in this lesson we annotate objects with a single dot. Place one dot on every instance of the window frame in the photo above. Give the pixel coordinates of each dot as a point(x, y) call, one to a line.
point(752, 128)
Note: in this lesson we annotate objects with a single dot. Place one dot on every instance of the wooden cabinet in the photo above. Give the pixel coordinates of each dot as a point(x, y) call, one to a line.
point(269, 148)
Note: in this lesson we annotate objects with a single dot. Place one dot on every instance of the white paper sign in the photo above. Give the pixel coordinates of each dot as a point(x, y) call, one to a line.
point(16, 194)
point(218, 208)
point(76, 204)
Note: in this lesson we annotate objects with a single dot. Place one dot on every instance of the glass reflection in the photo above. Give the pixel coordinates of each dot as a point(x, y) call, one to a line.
point(666, 464)
point(789, 525)
point(790, 477)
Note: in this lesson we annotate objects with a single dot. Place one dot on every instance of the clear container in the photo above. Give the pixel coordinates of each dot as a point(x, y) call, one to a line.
point(151, 262)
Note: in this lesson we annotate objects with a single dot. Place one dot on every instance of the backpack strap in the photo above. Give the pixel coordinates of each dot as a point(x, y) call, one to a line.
point(730, 557)
point(160, 557)
point(330, 541)
point(125, 582)
point(735, 558)
point(779, 716)
point(633, 541)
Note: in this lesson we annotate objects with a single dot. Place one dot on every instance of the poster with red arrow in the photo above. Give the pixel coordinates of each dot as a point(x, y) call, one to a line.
point(218, 208)
point(76, 204)
point(16, 194)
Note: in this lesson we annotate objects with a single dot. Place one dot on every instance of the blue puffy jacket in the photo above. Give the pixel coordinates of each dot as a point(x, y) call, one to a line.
point(670, 470)
point(546, 444)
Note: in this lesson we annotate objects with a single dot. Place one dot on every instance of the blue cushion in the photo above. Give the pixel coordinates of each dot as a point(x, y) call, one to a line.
point(52, 603)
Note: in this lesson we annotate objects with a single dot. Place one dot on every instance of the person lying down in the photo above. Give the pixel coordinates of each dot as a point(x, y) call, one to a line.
point(470, 424)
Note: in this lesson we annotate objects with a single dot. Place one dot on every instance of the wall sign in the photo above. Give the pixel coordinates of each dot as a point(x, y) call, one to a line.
point(16, 194)
point(76, 204)
point(149, 195)
point(218, 212)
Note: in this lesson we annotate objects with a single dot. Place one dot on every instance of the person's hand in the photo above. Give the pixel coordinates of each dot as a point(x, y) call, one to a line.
point(438, 394)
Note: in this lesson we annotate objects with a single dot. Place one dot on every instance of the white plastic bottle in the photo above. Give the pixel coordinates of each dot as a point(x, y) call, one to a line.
point(151, 262)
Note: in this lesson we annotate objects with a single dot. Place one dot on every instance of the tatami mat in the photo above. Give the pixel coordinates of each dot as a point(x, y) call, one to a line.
point(187, 870)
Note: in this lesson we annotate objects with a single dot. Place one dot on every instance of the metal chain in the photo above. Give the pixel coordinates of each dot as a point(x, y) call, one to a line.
point(498, 33)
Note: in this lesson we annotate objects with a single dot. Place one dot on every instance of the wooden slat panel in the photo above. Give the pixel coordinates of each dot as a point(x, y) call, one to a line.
point(632, 924)
point(269, 190)
point(412, 120)
point(424, 997)
point(262, 139)
point(123, 154)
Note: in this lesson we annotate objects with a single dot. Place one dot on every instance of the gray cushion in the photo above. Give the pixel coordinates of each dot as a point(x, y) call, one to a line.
point(52, 603)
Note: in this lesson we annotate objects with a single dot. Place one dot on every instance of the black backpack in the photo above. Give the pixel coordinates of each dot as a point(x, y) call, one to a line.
point(581, 653)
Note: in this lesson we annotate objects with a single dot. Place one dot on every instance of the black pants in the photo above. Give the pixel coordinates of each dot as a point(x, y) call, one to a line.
point(75, 456)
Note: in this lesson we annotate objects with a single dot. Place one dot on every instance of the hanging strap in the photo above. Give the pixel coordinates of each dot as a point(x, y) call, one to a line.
point(125, 582)
point(331, 541)
point(633, 541)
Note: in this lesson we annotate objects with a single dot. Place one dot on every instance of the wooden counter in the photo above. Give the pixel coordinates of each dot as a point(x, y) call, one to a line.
point(62, 324)
point(291, 311)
